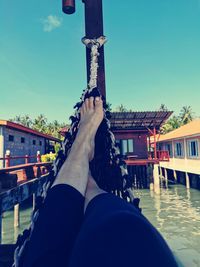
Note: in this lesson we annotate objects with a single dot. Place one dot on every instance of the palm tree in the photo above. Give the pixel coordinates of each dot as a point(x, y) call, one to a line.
point(163, 107)
point(26, 121)
point(186, 114)
point(40, 123)
point(53, 128)
point(171, 125)
point(121, 108)
point(23, 120)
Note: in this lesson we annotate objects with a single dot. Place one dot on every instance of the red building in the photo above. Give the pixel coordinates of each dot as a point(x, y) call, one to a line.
point(133, 132)
point(136, 134)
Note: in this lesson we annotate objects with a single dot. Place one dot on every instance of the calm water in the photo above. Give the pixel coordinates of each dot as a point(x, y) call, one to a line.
point(175, 213)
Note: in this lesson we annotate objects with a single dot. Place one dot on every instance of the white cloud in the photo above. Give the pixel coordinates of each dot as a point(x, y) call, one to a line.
point(51, 23)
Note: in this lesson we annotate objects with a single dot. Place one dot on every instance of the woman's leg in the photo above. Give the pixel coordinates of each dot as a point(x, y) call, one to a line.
point(61, 216)
point(115, 234)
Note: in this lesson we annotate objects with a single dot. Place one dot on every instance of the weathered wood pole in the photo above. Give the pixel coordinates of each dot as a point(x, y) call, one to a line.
point(34, 201)
point(175, 176)
point(166, 177)
point(150, 175)
point(16, 216)
point(94, 29)
point(156, 179)
point(187, 180)
point(155, 143)
point(38, 156)
point(26, 159)
point(7, 159)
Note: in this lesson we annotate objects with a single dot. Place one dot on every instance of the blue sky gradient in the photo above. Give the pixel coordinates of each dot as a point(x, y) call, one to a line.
point(152, 56)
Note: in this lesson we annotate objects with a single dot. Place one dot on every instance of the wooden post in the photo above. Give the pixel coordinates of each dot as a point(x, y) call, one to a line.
point(175, 176)
point(166, 177)
point(94, 29)
point(34, 201)
point(38, 156)
point(156, 179)
point(150, 175)
point(7, 160)
point(155, 144)
point(150, 156)
point(26, 159)
point(16, 216)
point(187, 180)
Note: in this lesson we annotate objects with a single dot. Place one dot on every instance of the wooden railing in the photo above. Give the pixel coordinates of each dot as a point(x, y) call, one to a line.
point(13, 197)
point(163, 155)
point(10, 176)
point(31, 185)
point(26, 158)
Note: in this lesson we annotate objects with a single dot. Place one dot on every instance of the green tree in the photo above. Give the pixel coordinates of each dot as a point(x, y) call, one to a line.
point(186, 114)
point(23, 120)
point(121, 108)
point(40, 123)
point(172, 124)
point(163, 107)
point(53, 128)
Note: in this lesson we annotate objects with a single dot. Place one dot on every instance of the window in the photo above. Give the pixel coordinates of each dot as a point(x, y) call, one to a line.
point(179, 149)
point(169, 149)
point(193, 148)
point(22, 140)
point(34, 142)
point(40, 143)
point(11, 138)
point(127, 146)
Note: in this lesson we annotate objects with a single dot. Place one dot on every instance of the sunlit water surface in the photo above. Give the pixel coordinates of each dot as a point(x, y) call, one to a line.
point(175, 212)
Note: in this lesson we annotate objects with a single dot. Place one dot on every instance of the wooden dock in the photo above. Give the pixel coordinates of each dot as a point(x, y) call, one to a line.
point(12, 198)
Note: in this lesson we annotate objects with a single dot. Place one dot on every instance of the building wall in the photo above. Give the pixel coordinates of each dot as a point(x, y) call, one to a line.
point(139, 142)
point(191, 166)
point(21, 149)
point(183, 163)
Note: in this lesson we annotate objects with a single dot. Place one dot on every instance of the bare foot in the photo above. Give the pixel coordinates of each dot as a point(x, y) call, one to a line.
point(91, 117)
point(75, 170)
point(92, 190)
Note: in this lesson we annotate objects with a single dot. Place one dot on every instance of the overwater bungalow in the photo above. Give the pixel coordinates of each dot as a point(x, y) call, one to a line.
point(183, 146)
point(133, 132)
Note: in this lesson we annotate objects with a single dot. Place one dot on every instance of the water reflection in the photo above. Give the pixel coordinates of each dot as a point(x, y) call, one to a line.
point(176, 214)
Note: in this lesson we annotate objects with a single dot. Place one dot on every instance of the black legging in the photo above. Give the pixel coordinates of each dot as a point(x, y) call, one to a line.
point(112, 233)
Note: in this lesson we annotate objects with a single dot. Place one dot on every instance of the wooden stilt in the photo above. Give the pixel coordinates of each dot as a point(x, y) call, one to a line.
point(34, 200)
point(166, 178)
point(0, 227)
point(150, 176)
point(187, 180)
point(16, 216)
point(156, 179)
point(175, 176)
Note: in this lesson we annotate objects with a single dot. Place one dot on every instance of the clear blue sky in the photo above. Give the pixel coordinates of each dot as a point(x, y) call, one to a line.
point(152, 56)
